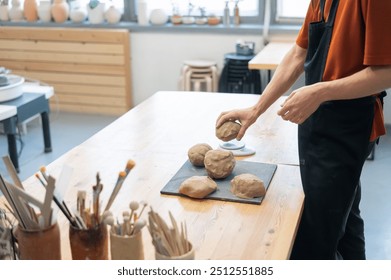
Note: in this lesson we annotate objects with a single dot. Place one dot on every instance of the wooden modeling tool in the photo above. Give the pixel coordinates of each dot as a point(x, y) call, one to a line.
point(8, 195)
point(12, 171)
point(167, 241)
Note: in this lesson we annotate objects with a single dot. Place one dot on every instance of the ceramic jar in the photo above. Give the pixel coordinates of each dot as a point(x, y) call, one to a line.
point(44, 11)
point(113, 15)
point(78, 12)
point(60, 11)
point(96, 14)
point(158, 17)
point(16, 12)
point(30, 10)
point(142, 12)
point(4, 10)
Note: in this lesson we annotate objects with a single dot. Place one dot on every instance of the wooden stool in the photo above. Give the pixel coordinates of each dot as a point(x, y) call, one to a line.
point(199, 75)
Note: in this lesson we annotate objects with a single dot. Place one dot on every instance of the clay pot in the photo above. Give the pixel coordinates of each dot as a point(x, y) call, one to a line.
point(30, 10)
point(60, 11)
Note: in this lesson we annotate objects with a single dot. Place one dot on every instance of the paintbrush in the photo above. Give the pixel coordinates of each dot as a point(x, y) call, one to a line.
point(96, 191)
point(117, 187)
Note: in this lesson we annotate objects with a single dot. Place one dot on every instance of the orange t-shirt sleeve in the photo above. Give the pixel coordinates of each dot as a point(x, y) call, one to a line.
point(302, 38)
point(376, 14)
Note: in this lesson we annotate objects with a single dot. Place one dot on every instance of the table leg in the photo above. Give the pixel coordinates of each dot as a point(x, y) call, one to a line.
point(46, 132)
point(12, 150)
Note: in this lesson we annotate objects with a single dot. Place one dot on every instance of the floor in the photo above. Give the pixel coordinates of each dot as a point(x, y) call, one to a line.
point(68, 130)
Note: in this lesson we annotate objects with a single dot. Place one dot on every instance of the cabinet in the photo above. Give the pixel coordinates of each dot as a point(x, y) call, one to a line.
point(88, 68)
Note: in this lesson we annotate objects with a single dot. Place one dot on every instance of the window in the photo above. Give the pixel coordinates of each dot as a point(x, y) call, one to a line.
point(289, 11)
point(251, 11)
point(192, 7)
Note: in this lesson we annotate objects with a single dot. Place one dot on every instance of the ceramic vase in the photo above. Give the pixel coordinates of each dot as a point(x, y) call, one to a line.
point(30, 10)
point(60, 11)
point(96, 15)
point(44, 11)
point(113, 15)
point(158, 17)
point(4, 10)
point(142, 12)
point(78, 13)
point(16, 12)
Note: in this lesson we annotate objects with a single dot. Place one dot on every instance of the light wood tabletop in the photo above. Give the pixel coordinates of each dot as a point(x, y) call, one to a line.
point(270, 56)
point(157, 134)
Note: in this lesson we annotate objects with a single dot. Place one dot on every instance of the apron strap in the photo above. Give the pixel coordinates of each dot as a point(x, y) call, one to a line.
point(322, 4)
point(333, 12)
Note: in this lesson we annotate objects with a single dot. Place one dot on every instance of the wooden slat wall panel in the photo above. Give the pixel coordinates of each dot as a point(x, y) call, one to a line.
point(88, 68)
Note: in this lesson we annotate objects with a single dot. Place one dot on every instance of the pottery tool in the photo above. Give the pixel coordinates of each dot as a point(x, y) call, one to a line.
point(126, 225)
point(17, 182)
point(167, 241)
point(60, 205)
point(12, 171)
point(144, 205)
point(138, 225)
point(96, 191)
point(18, 211)
point(45, 207)
point(133, 205)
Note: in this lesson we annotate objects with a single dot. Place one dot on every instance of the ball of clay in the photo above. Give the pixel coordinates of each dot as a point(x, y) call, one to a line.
point(197, 153)
point(197, 186)
point(219, 164)
point(247, 186)
point(228, 131)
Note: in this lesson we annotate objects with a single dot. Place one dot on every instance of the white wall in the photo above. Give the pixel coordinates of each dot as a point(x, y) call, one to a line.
point(157, 58)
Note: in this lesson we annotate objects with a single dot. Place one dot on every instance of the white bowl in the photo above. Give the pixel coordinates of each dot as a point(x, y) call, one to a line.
point(13, 90)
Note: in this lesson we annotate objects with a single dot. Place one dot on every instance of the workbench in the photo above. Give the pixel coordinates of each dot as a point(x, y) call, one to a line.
point(157, 134)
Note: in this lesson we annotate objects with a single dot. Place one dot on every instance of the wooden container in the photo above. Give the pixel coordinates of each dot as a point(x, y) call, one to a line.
point(126, 247)
point(39, 244)
point(89, 244)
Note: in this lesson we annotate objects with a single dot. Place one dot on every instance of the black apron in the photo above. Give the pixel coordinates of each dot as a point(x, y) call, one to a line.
point(333, 146)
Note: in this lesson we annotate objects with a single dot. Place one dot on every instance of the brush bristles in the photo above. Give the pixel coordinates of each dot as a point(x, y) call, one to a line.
point(130, 164)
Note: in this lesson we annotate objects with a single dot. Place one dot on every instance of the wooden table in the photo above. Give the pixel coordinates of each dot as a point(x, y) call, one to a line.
point(270, 57)
point(27, 106)
point(157, 135)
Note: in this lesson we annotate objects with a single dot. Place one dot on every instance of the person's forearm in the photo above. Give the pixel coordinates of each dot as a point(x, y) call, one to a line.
point(287, 72)
point(366, 82)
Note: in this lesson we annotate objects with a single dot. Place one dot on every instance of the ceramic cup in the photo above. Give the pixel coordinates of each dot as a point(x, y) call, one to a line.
point(39, 244)
point(187, 256)
point(89, 244)
point(126, 247)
